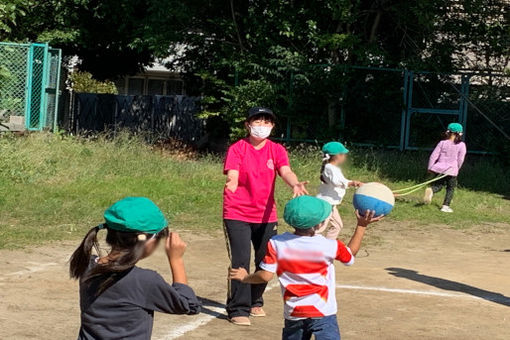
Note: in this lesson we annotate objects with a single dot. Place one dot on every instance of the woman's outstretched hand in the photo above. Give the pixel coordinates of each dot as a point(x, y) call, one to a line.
point(299, 189)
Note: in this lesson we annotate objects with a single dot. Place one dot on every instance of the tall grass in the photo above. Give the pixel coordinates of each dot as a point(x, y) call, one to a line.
point(55, 187)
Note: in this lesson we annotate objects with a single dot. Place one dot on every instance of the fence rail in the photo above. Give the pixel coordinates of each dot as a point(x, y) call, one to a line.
point(394, 108)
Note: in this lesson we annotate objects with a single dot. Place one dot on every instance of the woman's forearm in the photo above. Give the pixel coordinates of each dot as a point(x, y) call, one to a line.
point(289, 177)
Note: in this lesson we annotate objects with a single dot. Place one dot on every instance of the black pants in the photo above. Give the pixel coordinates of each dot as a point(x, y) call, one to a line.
point(239, 236)
point(450, 182)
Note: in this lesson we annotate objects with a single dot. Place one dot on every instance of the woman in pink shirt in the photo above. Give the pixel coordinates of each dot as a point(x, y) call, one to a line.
point(249, 209)
point(447, 159)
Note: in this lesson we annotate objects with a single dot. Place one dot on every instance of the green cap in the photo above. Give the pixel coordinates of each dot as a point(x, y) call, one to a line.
point(334, 148)
point(305, 212)
point(455, 128)
point(135, 214)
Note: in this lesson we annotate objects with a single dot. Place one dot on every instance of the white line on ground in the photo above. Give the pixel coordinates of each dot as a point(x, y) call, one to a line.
point(408, 291)
point(35, 267)
point(201, 319)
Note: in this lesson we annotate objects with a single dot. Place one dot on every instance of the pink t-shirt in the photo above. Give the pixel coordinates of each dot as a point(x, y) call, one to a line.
point(253, 201)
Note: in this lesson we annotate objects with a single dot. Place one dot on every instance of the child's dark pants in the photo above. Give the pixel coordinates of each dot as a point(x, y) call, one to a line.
point(240, 236)
point(450, 182)
point(325, 328)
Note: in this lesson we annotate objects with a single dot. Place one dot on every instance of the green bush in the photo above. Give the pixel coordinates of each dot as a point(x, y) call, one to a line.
point(83, 82)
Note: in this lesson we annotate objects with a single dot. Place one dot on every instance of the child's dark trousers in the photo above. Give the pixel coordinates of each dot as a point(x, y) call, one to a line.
point(450, 182)
point(325, 328)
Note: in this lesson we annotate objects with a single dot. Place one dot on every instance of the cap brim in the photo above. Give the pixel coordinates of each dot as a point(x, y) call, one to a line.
point(262, 113)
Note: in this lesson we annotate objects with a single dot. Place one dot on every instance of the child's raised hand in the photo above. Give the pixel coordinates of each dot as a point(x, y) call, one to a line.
point(174, 246)
point(356, 184)
point(237, 274)
point(368, 218)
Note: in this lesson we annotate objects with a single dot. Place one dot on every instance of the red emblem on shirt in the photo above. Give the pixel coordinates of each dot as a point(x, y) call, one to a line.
point(270, 164)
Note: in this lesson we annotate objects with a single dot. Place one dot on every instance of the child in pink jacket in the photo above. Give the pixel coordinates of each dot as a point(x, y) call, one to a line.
point(447, 159)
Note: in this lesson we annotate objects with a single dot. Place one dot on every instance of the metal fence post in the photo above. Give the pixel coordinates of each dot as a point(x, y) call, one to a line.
point(464, 100)
point(57, 90)
point(408, 109)
point(291, 103)
point(404, 112)
point(43, 101)
point(28, 98)
point(342, 113)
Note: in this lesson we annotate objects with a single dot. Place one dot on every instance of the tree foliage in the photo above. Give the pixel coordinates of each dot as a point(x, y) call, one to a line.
point(266, 41)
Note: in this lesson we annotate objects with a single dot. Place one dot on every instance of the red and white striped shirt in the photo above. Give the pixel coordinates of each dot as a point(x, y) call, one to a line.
point(305, 268)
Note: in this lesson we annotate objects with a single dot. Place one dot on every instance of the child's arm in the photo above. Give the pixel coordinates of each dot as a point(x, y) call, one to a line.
point(462, 155)
point(260, 276)
point(175, 248)
point(177, 298)
point(434, 156)
point(337, 178)
point(363, 222)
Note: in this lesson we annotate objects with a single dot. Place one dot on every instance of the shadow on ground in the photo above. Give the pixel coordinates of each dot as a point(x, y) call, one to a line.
point(210, 307)
point(450, 285)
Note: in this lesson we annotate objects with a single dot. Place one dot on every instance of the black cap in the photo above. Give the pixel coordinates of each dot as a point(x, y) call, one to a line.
point(258, 110)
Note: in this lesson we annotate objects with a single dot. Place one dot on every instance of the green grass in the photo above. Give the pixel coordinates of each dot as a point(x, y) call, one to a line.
point(54, 187)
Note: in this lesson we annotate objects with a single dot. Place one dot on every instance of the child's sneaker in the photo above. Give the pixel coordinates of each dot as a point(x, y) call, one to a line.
point(427, 198)
point(446, 209)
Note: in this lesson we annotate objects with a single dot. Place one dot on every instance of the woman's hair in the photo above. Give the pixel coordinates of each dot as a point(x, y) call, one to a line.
point(264, 116)
point(127, 245)
point(448, 134)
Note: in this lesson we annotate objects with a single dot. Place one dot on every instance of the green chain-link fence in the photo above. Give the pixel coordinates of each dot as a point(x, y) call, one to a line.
point(395, 108)
point(29, 86)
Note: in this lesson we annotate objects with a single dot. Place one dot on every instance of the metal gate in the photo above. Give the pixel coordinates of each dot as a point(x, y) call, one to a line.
point(29, 86)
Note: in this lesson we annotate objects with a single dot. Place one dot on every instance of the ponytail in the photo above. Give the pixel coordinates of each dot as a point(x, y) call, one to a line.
point(129, 248)
point(325, 161)
point(81, 257)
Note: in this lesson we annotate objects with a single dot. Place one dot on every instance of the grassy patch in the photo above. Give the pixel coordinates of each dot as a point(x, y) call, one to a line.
point(54, 187)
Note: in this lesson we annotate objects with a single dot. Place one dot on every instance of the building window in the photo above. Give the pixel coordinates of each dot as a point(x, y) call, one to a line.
point(174, 86)
point(156, 87)
point(136, 86)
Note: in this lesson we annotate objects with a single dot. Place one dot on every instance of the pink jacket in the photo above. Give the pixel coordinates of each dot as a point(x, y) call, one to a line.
point(447, 158)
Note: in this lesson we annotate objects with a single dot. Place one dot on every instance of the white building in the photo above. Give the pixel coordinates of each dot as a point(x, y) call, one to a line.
point(155, 80)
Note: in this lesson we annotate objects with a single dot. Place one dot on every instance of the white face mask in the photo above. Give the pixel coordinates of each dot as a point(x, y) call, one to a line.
point(260, 131)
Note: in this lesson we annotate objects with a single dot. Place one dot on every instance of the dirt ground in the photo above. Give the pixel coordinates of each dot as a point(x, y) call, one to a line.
point(409, 282)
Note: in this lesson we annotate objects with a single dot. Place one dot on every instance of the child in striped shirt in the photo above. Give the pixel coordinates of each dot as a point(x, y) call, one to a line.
point(303, 262)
